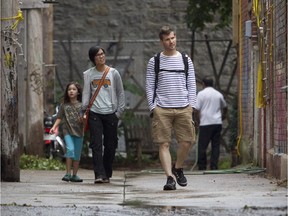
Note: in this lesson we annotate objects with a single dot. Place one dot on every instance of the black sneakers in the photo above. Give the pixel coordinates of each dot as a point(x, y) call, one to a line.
point(181, 179)
point(171, 184)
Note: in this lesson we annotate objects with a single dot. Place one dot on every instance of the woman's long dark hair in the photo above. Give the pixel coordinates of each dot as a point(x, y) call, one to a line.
point(79, 88)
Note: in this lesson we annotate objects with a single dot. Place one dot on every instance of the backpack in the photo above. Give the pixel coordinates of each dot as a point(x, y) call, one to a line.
point(157, 69)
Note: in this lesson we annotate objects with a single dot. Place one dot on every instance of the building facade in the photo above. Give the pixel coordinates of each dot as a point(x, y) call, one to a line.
point(260, 33)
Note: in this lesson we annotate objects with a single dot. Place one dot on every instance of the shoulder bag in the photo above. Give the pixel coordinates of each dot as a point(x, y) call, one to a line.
point(86, 125)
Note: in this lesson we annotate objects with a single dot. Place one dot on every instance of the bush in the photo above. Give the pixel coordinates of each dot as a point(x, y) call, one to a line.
point(225, 163)
point(36, 163)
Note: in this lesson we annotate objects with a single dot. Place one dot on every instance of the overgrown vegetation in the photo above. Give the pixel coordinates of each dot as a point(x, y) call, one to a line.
point(37, 163)
point(225, 163)
point(200, 12)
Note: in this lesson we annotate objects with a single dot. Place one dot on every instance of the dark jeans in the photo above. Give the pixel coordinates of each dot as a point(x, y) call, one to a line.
point(103, 142)
point(206, 134)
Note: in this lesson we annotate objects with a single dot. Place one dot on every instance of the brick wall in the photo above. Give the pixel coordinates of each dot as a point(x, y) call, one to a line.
point(280, 77)
point(265, 128)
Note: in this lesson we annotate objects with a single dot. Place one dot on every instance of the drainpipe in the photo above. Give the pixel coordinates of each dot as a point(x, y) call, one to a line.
point(240, 80)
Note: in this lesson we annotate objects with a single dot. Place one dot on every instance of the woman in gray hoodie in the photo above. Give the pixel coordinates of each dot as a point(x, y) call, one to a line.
point(104, 113)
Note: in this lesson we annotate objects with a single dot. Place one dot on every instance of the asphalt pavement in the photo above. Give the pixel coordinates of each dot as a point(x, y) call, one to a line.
point(141, 193)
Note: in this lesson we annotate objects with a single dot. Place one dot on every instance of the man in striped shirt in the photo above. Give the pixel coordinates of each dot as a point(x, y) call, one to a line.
point(171, 106)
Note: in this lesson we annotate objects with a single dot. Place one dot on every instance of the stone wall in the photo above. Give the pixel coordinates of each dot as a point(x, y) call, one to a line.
point(137, 24)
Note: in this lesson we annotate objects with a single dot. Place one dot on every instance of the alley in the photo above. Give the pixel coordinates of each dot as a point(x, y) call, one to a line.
point(131, 193)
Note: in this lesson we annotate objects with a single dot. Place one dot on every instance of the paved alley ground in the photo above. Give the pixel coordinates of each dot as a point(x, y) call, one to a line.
point(141, 193)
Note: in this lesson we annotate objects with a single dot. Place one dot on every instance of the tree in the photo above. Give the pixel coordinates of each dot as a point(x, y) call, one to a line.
point(219, 13)
point(10, 170)
point(201, 12)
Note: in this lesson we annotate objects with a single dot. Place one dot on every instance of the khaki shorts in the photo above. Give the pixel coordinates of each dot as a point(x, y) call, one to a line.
point(167, 120)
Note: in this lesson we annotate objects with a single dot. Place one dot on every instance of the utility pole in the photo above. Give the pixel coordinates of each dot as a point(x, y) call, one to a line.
point(31, 81)
point(49, 66)
point(34, 94)
point(10, 16)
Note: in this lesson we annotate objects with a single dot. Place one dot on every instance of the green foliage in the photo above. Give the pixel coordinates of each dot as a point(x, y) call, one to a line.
point(36, 163)
point(134, 89)
point(200, 12)
point(129, 117)
point(225, 163)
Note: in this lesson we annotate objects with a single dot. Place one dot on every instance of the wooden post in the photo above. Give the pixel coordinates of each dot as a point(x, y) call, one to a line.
point(33, 79)
point(34, 97)
point(22, 85)
point(49, 67)
point(10, 170)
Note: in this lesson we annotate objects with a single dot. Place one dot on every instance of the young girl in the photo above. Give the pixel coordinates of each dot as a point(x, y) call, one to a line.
point(69, 113)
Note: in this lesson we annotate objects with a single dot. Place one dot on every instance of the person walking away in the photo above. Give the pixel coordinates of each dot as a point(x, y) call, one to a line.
point(104, 113)
point(72, 124)
point(171, 96)
point(211, 109)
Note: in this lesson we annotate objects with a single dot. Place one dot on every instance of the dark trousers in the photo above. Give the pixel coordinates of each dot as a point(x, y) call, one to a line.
point(206, 134)
point(103, 142)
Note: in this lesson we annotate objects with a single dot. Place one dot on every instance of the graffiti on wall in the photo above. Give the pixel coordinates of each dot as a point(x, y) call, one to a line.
point(36, 81)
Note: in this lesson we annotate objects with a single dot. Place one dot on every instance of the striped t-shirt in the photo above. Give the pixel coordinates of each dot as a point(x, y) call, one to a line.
point(171, 89)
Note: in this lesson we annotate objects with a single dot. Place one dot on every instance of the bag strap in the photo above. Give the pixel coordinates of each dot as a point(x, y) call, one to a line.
point(156, 69)
point(186, 66)
point(98, 89)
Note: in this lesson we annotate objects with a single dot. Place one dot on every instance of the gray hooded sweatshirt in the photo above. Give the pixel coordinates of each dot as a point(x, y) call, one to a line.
point(110, 99)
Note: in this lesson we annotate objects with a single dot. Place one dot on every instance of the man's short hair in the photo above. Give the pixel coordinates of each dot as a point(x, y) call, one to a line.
point(208, 81)
point(165, 30)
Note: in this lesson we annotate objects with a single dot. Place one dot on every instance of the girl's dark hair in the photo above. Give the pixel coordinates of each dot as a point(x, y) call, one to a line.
point(79, 88)
point(93, 51)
